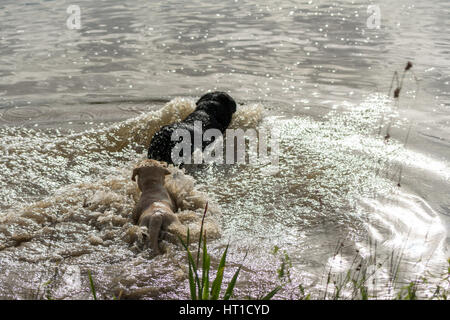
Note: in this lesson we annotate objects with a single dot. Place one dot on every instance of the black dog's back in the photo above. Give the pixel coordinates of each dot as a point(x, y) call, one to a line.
point(214, 110)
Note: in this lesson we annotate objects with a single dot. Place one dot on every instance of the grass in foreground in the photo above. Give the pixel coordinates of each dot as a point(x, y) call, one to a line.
point(357, 283)
point(354, 284)
point(200, 287)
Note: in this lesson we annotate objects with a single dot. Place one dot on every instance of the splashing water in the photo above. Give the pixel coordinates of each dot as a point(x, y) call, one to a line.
point(333, 186)
point(88, 224)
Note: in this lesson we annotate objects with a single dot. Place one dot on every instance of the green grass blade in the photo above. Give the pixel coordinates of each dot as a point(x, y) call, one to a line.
point(191, 265)
point(194, 268)
point(192, 283)
point(187, 238)
point(205, 287)
point(190, 258)
point(231, 285)
point(217, 283)
point(364, 293)
point(91, 283)
point(203, 290)
point(201, 233)
point(271, 293)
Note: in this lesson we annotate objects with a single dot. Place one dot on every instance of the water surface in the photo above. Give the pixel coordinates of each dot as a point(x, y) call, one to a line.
point(78, 107)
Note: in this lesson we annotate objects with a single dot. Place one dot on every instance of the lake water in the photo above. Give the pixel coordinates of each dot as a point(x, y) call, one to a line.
point(79, 106)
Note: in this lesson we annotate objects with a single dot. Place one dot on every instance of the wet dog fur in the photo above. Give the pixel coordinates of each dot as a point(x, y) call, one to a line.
point(155, 209)
point(214, 110)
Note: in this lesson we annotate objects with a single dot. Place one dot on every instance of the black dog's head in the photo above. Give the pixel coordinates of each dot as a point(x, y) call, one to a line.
point(219, 105)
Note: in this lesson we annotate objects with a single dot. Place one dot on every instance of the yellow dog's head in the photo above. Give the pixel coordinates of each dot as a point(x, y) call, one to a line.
point(149, 172)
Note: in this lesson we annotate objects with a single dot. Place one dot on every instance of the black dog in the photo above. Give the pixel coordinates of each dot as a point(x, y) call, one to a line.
point(214, 110)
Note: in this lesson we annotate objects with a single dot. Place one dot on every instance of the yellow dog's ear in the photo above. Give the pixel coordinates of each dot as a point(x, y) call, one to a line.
point(161, 171)
point(135, 173)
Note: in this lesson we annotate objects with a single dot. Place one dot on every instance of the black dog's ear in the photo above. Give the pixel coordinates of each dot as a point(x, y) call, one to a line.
point(135, 173)
point(227, 100)
point(221, 97)
point(205, 97)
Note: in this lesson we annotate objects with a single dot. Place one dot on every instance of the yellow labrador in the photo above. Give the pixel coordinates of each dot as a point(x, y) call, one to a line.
point(155, 209)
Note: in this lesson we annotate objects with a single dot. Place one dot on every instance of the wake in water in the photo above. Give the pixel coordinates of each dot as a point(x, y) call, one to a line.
point(37, 162)
point(87, 225)
point(70, 210)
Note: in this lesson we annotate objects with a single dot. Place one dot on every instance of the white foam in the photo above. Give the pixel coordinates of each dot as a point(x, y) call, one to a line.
point(69, 200)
